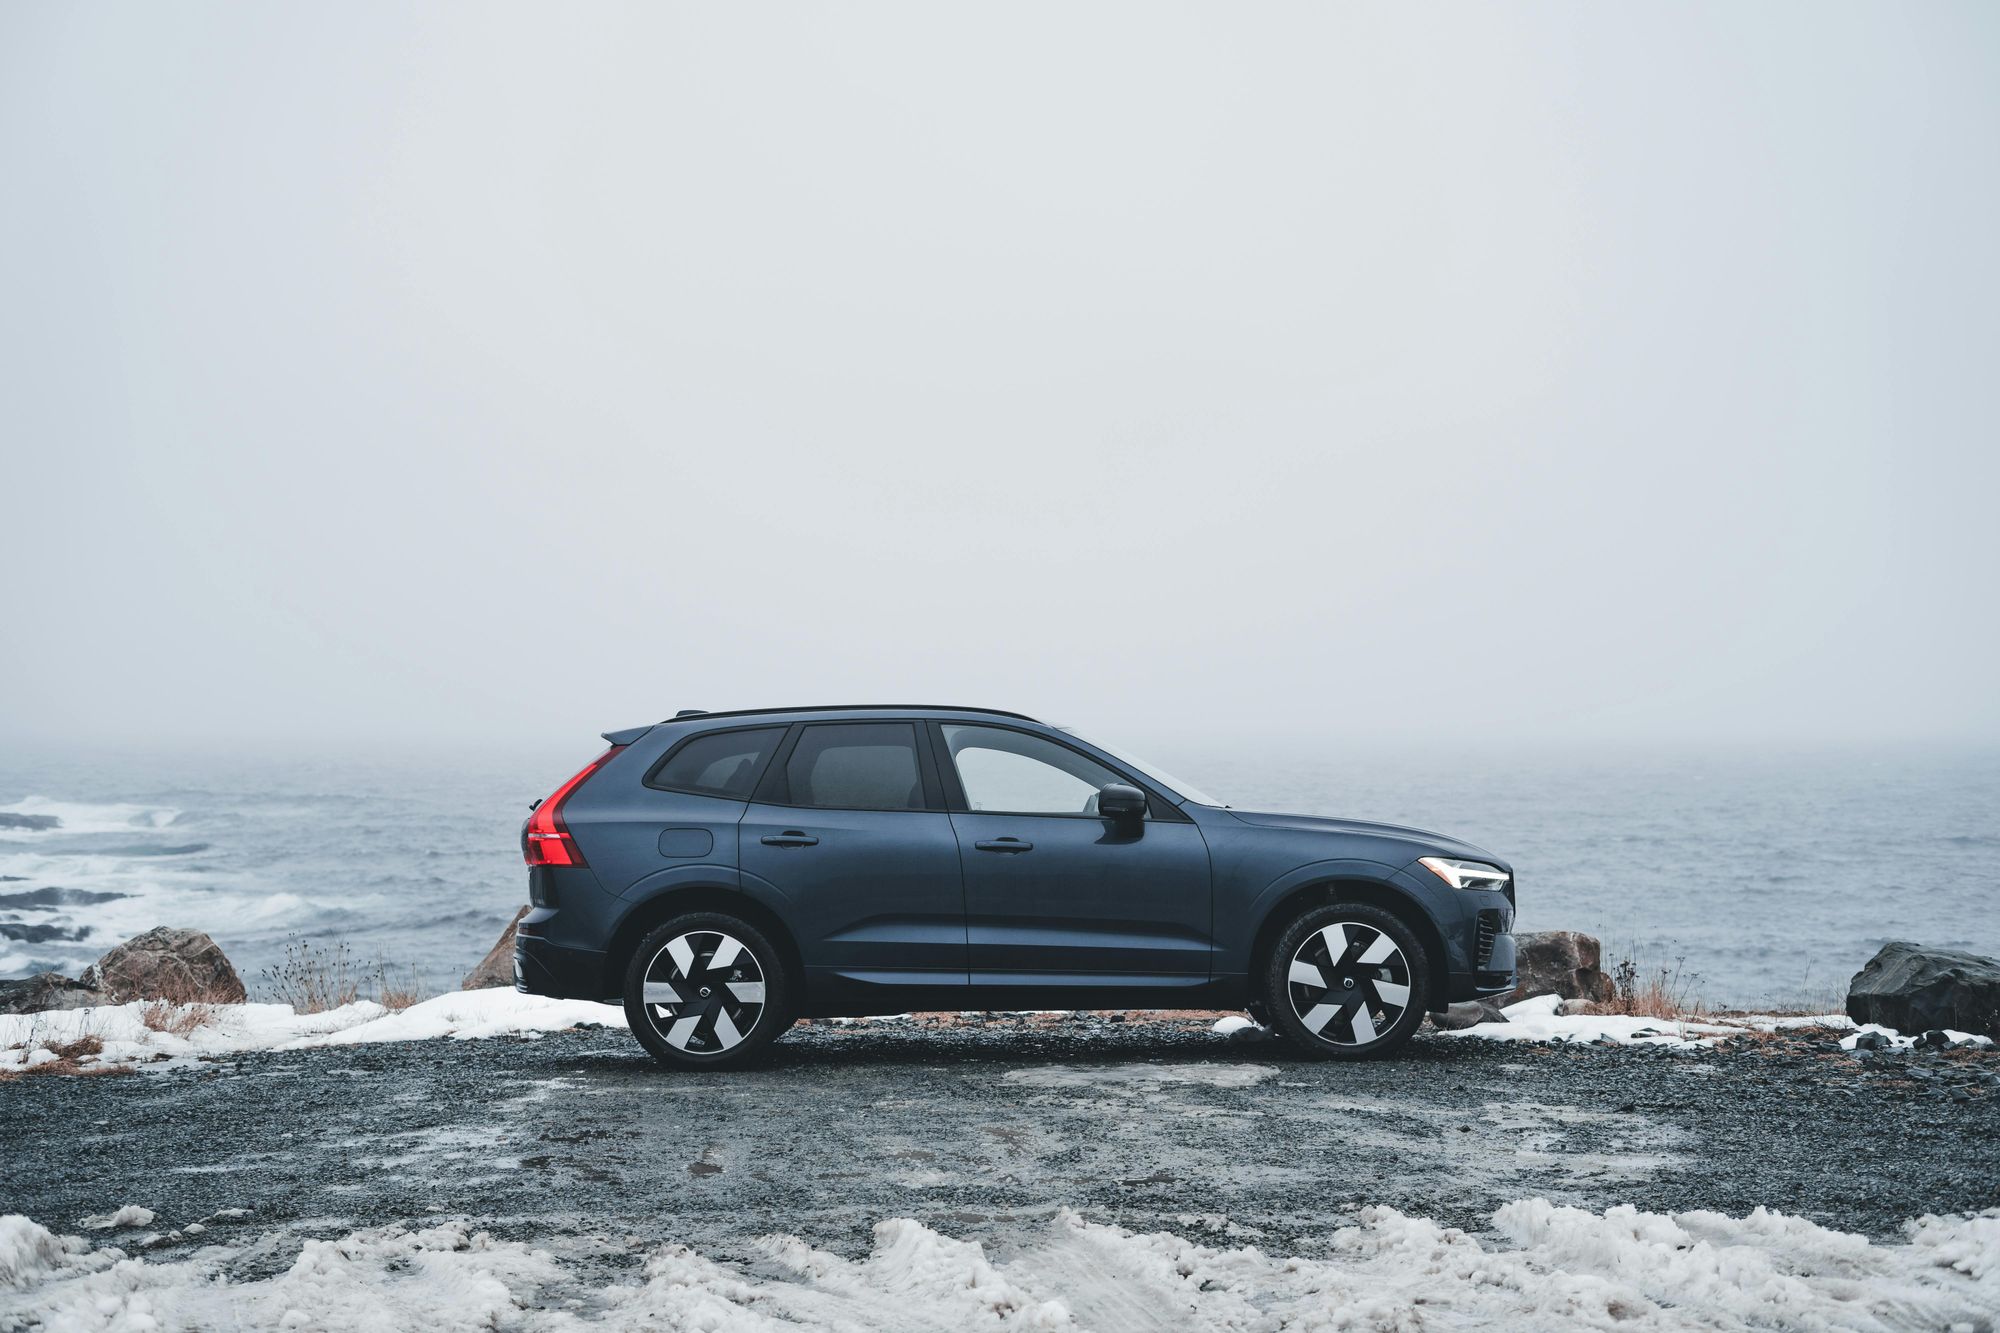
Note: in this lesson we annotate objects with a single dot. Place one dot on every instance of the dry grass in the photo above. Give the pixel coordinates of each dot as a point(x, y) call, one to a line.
point(88, 1044)
point(314, 979)
point(69, 1060)
point(178, 1019)
point(400, 992)
point(1648, 990)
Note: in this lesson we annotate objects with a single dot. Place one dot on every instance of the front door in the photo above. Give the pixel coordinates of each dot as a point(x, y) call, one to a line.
point(849, 827)
point(1056, 895)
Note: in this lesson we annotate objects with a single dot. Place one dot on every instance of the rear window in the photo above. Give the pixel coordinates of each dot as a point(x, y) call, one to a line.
point(721, 763)
point(857, 766)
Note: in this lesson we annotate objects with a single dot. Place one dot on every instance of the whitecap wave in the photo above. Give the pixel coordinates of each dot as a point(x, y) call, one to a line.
point(85, 817)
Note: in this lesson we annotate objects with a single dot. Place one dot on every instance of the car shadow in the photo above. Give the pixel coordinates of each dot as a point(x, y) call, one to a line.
point(832, 1051)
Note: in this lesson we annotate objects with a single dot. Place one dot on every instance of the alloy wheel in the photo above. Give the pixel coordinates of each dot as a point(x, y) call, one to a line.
point(1349, 983)
point(703, 992)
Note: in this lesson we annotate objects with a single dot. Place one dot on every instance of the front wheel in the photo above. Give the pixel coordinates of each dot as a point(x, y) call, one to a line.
point(706, 990)
point(1346, 982)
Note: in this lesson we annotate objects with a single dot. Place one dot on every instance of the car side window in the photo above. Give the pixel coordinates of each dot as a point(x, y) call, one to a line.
point(722, 763)
point(1022, 774)
point(856, 766)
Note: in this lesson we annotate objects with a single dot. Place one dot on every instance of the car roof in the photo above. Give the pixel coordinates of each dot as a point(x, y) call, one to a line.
point(687, 713)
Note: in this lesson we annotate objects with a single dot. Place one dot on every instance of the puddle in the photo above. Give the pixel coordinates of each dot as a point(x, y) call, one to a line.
point(1138, 1076)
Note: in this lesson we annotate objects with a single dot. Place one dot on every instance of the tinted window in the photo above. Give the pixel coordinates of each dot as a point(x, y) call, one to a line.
point(722, 763)
point(857, 766)
point(1023, 774)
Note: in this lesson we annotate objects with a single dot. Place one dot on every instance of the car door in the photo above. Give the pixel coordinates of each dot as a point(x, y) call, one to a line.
point(1056, 894)
point(849, 826)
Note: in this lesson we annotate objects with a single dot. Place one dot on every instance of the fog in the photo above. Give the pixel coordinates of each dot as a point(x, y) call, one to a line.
point(1573, 374)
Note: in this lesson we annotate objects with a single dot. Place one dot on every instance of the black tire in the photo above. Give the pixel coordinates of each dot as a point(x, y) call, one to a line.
point(1337, 1006)
point(699, 1016)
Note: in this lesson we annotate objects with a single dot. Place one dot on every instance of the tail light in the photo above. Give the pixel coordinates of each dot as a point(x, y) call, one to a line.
point(545, 839)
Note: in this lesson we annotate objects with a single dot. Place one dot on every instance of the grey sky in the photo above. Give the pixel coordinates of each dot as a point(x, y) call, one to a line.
point(1576, 372)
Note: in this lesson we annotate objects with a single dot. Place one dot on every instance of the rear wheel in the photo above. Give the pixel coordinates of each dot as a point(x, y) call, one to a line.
point(1347, 981)
point(706, 990)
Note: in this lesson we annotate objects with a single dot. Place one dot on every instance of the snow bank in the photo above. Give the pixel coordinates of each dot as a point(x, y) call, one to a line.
point(26, 1039)
point(1542, 1267)
point(1536, 1020)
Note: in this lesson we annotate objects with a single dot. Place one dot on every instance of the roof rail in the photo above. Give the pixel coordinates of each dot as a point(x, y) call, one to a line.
point(850, 708)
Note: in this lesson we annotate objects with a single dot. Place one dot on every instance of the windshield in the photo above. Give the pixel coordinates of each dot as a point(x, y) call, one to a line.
point(1153, 771)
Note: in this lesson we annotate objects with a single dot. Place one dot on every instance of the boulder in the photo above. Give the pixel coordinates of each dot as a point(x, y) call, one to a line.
point(44, 991)
point(497, 967)
point(1912, 989)
point(167, 963)
point(1468, 1014)
point(1560, 962)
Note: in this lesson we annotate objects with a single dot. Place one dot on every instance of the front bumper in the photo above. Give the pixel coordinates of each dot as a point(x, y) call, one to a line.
point(541, 968)
point(1496, 975)
point(1492, 956)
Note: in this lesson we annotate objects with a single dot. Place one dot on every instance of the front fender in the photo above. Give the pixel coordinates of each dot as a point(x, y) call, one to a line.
point(1236, 947)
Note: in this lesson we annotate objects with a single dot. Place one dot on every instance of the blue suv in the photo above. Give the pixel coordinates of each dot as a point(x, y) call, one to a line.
point(723, 874)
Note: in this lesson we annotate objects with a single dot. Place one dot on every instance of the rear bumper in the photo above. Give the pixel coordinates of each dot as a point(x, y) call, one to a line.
point(541, 968)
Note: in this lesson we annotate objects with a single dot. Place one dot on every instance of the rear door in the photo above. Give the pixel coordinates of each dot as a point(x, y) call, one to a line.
point(1056, 894)
point(849, 825)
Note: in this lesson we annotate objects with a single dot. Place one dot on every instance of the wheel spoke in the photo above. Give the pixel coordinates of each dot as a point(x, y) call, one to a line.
point(1393, 995)
point(682, 953)
point(750, 992)
point(1319, 1016)
point(1364, 1024)
point(1379, 950)
point(725, 954)
point(682, 1032)
point(1335, 936)
point(1305, 974)
point(726, 1034)
point(660, 992)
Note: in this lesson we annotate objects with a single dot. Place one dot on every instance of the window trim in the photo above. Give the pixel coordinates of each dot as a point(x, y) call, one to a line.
point(776, 786)
point(756, 780)
point(1158, 808)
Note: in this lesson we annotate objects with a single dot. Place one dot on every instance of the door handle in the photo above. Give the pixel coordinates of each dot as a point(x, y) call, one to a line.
point(1004, 845)
point(791, 838)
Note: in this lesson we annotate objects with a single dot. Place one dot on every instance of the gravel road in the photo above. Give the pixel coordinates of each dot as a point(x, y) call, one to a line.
point(984, 1129)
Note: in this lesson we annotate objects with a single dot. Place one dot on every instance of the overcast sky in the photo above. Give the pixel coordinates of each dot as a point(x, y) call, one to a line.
point(1577, 373)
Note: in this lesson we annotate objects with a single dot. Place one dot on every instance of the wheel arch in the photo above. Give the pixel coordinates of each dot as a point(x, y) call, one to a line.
point(1369, 892)
point(680, 899)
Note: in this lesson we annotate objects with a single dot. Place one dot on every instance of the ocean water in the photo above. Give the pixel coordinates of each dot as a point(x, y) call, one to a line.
point(1765, 879)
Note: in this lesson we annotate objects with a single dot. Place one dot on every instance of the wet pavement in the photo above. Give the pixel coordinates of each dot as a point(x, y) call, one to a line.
point(987, 1128)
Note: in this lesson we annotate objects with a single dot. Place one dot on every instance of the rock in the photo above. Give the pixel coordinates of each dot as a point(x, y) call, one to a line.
point(1871, 1041)
point(1910, 988)
point(44, 991)
point(497, 967)
point(166, 963)
point(1240, 1029)
point(29, 823)
point(1461, 1016)
point(1560, 962)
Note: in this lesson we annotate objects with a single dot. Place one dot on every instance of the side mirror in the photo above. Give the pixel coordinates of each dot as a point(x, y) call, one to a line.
point(1118, 801)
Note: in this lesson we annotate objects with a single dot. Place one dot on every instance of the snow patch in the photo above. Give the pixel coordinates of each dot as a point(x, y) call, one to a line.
point(230, 1029)
point(1539, 1019)
point(1897, 1040)
point(1542, 1266)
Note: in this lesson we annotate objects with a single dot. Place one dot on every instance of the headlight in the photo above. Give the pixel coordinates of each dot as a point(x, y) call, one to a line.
point(1465, 874)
